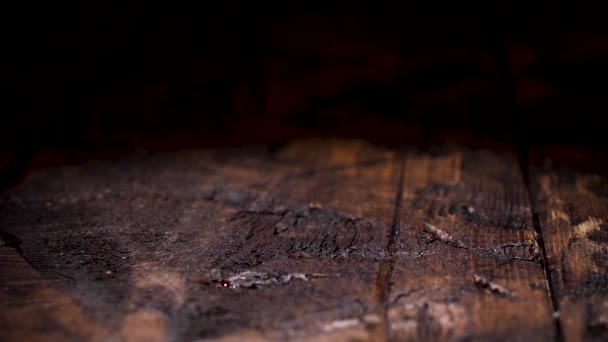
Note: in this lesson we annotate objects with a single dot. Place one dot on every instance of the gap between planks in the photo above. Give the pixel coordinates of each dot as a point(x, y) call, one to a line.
point(524, 163)
point(385, 268)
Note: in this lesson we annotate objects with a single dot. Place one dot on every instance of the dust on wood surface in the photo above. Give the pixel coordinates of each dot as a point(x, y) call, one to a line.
point(320, 240)
point(572, 212)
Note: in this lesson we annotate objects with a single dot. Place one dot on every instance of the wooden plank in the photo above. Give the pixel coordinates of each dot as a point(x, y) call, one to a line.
point(215, 244)
point(572, 209)
point(466, 261)
point(32, 308)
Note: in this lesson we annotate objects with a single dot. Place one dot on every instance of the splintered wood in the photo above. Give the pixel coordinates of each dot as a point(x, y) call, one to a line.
point(321, 240)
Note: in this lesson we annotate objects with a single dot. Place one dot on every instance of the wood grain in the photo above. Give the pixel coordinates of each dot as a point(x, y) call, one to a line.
point(467, 263)
point(34, 308)
point(319, 240)
point(572, 209)
point(213, 244)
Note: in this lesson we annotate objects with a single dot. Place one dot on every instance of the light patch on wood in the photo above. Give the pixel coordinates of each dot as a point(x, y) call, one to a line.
point(29, 315)
point(446, 314)
point(491, 286)
point(558, 215)
point(148, 276)
point(584, 228)
point(341, 324)
point(144, 326)
point(149, 324)
point(555, 203)
point(341, 153)
point(546, 183)
point(63, 311)
point(457, 168)
point(250, 279)
point(446, 320)
point(442, 235)
point(446, 168)
point(530, 235)
point(415, 174)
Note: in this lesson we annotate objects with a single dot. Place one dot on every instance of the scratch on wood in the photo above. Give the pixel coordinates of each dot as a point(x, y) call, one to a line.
point(442, 235)
point(405, 295)
point(438, 234)
point(252, 279)
point(592, 224)
point(491, 286)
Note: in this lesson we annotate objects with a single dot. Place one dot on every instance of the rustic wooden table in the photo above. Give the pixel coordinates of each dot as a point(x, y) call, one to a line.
point(323, 240)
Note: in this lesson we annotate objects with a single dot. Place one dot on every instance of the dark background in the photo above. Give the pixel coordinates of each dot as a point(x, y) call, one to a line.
point(98, 80)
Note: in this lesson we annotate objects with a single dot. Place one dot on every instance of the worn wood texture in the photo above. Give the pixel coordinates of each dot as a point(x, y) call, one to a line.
point(572, 212)
point(32, 308)
point(467, 264)
point(320, 240)
point(218, 244)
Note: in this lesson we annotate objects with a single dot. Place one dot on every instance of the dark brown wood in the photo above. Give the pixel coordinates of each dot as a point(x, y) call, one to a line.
point(572, 209)
point(467, 262)
point(33, 308)
point(320, 240)
point(231, 244)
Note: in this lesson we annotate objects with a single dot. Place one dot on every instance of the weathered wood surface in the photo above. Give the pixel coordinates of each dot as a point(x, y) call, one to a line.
point(144, 248)
point(320, 240)
point(33, 308)
point(467, 263)
point(572, 212)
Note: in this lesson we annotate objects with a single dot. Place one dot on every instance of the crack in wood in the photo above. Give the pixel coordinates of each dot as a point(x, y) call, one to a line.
point(380, 332)
point(403, 295)
point(550, 275)
point(437, 234)
point(277, 231)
